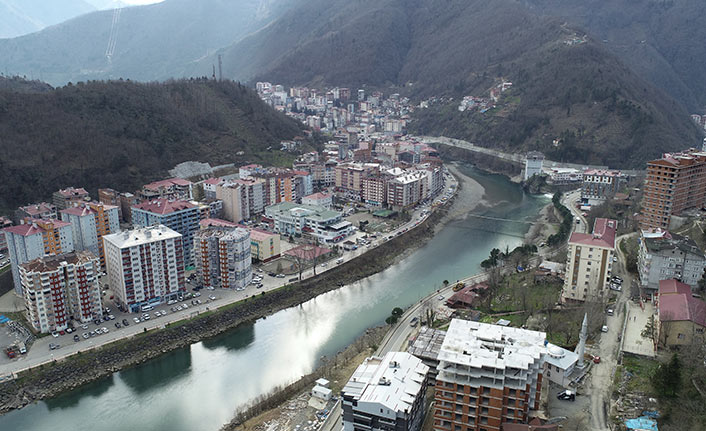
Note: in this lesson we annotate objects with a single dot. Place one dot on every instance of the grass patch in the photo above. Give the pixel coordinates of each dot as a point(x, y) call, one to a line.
point(519, 292)
point(642, 370)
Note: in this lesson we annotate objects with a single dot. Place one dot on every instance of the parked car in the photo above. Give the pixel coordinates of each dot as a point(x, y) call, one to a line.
point(566, 395)
point(609, 311)
point(604, 328)
point(125, 322)
point(118, 325)
point(77, 338)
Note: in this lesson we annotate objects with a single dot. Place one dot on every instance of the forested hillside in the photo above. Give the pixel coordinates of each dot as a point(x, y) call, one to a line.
point(124, 134)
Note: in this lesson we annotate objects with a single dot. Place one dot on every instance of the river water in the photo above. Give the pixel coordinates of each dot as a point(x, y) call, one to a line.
point(199, 387)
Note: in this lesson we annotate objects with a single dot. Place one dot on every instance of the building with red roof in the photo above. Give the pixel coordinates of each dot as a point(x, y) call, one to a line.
point(65, 198)
point(172, 188)
point(589, 262)
point(682, 317)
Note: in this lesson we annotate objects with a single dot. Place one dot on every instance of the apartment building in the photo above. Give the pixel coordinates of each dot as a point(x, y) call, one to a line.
point(408, 189)
point(65, 198)
point(386, 393)
point(209, 187)
point(599, 185)
point(111, 197)
point(375, 189)
point(682, 317)
point(589, 262)
point(674, 184)
point(61, 288)
point(487, 375)
point(179, 215)
point(145, 266)
point(664, 255)
point(349, 178)
point(242, 198)
point(324, 225)
point(35, 239)
point(90, 221)
point(222, 257)
point(172, 188)
point(41, 210)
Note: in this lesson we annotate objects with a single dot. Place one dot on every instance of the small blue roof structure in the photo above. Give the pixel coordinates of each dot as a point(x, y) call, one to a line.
point(641, 424)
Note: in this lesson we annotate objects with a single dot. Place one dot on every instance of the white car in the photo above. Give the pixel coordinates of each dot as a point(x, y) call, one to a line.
point(604, 328)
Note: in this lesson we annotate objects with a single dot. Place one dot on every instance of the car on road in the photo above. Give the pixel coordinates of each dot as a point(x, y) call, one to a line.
point(126, 323)
point(440, 297)
point(609, 312)
point(617, 279)
point(85, 335)
point(55, 334)
point(104, 330)
point(212, 298)
point(53, 346)
point(136, 319)
point(118, 325)
point(604, 328)
point(77, 338)
point(280, 275)
point(566, 396)
point(84, 326)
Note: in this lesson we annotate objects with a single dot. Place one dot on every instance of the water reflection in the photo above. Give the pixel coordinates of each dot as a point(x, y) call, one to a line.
point(91, 390)
point(159, 372)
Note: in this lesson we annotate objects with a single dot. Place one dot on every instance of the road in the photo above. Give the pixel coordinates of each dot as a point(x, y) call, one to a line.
point(40, 353)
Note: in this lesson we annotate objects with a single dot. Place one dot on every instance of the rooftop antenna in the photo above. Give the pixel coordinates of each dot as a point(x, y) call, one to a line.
point(220, 68)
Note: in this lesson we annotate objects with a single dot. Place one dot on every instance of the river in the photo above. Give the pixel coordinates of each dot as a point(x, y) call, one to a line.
point(199, 387)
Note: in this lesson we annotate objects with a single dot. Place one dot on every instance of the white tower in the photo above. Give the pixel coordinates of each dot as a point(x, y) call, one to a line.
point(581, 347)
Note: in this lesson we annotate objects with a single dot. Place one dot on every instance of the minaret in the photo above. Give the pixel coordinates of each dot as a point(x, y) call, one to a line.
point(581, 347)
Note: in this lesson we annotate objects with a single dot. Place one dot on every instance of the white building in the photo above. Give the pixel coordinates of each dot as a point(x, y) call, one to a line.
point(324, 200)
point(664, 256)
point(33, 240)
point(386, 393)
point(487, 375)
point(89, 222)
point(222, 257)
point(145, 266)
point(533, 164)
point(560, 364)
point(589, 262)
point(298, 219)
point(59, 288)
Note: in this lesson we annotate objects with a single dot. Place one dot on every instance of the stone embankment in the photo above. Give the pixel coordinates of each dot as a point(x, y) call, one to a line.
point(72, 372)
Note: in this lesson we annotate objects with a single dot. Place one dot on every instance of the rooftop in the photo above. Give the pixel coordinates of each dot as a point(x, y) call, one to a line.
point(310, 211)
point(167, 183)
point(667, 287)
point(677, 307)
point(670, 242)
point(259, 235)
point(392, 381)
point(602, 172)
point(237, 233)
point(70, 192)
point(37, 209)
point(164, 206)
point(603, 235)
point(478, 345)
point(53, 262)
point(217, 222)
point(37, 226)
point(318, 196)
point(131, 238)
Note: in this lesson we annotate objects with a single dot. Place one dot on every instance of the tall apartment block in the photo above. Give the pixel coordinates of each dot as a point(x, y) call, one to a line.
point(29, 241)
point(67, 197)
point(60, 288)
point(179, 215)
point(222, 257)
point(145, 266)
point(589, 262)
point(487, 375)
point(90, 221)
point(674, 183)
point(242, 198)
point(111, 197)
point(386, 393)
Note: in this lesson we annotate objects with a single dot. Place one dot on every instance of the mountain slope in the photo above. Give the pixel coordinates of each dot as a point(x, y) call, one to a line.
point(123, 134)
point(19, 17)
point(145, 43)
point(661, 40)
point(566, 85)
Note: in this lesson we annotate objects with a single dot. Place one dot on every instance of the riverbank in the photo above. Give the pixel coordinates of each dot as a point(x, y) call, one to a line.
point(545, 225)
point(84, 367)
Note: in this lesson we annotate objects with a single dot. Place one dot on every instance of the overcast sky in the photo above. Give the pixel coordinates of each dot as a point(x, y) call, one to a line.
point(138, 2)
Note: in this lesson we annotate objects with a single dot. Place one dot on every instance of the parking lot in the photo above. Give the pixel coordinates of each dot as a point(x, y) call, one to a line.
point(638, 316)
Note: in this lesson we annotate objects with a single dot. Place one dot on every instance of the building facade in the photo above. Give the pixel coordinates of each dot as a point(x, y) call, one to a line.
point(674, 183)
point(664, 256)
point(599, 185)
point(179, 215)
point(61, 288)
point(487, 375)
point(222, 257)
point(324, 200)
point(90, 221)
point(386, 394)
point(264, 246)
point(682, 318)
point(145, 266)
point(29, 241)
point(172, 188)
point(589, 262)
point(41, 210)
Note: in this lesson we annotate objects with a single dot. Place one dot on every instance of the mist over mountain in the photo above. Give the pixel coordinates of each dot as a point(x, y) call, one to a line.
point(154, 42)
point(19, 17)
